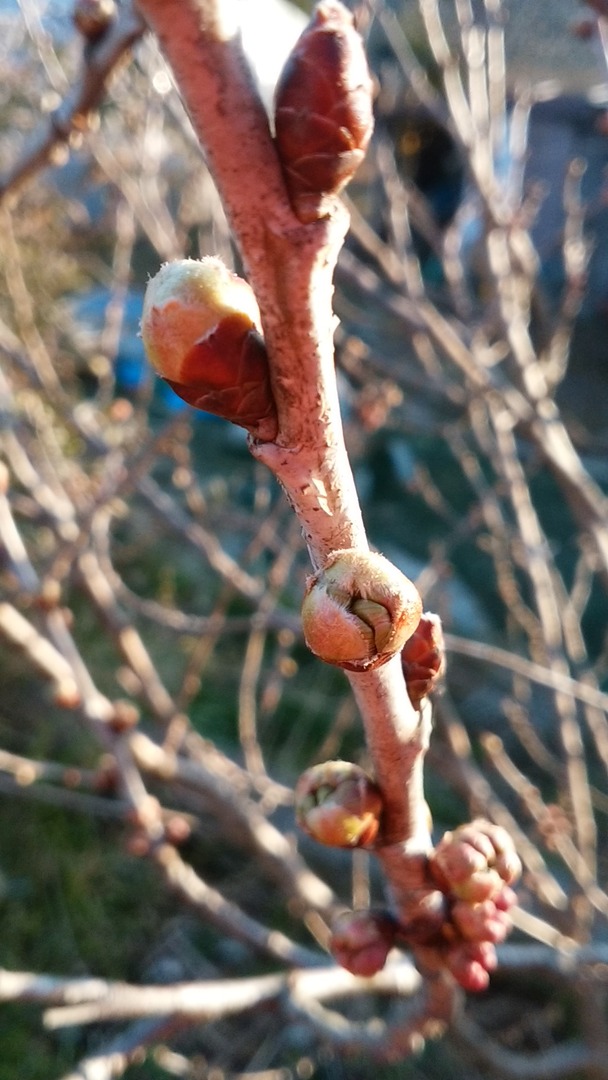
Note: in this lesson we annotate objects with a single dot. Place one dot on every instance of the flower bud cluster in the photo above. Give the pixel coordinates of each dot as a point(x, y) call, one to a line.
point(462, 912)
point(338, 804)
point(359, 610)
point(474, 867)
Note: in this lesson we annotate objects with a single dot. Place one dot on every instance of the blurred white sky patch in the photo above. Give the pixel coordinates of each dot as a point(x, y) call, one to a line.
point(270, 29)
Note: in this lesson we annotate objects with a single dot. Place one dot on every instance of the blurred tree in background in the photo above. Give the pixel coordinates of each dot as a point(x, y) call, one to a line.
point(152, 665)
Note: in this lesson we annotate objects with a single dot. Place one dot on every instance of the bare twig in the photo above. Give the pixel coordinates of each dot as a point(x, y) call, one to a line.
point(76, 110)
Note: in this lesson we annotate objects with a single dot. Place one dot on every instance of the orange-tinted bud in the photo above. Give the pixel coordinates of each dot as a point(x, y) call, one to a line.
point(423, 658)
point(323, 111)
point(361, 941)
point(338, 804)
point(359, 610)
point(201, 331)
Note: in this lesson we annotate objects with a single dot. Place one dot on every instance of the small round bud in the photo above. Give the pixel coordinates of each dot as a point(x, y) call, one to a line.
point(71, 778)
point(125, 716)
point(471, 965)
point(201, 331)
point(361, 941)
point(338, 804)
point(359, 610)
point(584, 29)
point(473, 867)
point(475, 862)
point(481, 922)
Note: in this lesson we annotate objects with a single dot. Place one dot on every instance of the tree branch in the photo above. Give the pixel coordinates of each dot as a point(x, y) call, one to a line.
point(290, 267)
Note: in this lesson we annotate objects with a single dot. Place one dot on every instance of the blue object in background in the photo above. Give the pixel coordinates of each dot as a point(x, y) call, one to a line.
point(131, 367)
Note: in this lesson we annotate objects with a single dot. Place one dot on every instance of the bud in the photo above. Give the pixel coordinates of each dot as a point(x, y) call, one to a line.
point(323, 111)
point(471, 965)
point(475, 862)
point(483, 921)
point(201, 331)
point(93, 18)
point(177, 830)
point(423, 658)
point(125, 717)
point(338, 804)
point(359, 610)
point(473, 867)
point(361, 941)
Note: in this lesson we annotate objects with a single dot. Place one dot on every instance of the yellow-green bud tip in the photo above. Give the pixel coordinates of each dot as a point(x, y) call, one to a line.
point(184, 302)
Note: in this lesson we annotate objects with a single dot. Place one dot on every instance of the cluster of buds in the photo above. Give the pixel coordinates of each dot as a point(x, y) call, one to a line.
point(359, 610)
point(461, 914)
point(474, 867)
point(323, 111)
point(338, 804)
point(423, 658)
point(202, 333)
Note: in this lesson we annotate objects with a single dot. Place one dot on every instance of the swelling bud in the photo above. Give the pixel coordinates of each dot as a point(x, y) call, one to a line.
point(359, 610)
point(338, 804)
point(201, 332)
point(323, 111)
point(475, 862)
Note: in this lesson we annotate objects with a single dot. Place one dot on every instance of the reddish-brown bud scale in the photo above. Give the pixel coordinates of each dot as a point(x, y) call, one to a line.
point(361, 941)
point(238, 391)
point(323, 111)
point(201, 331)
point(423, 658)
